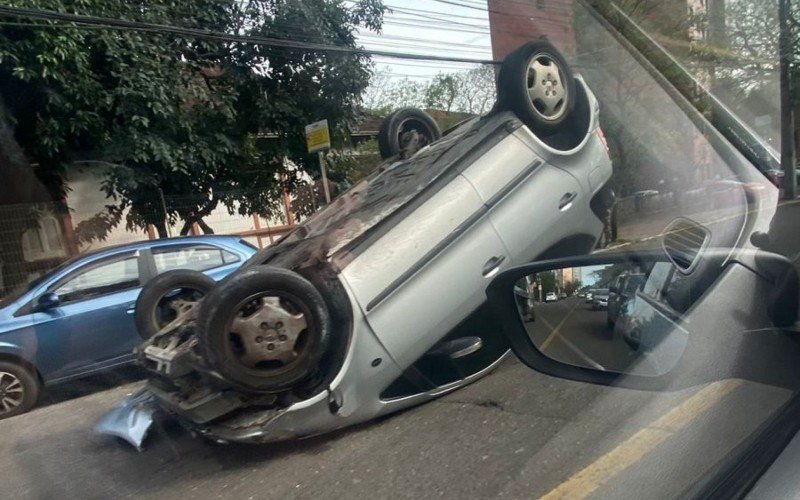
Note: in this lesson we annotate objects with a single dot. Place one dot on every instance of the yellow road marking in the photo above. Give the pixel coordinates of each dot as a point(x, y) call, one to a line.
point(582, 484)
point(554, 331)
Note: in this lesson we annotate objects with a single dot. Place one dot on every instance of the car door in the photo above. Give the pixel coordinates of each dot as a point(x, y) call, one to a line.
point(92, 327)
point(428, 272)
point(532, 204)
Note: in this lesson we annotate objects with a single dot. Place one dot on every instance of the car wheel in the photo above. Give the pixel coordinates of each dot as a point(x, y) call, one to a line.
point(19, 389)
point(406, 130)
point(167, 300)
point(536, 83)
point(264, 330)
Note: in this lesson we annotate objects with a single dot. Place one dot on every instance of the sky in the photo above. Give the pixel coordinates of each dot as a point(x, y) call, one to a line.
point(588, 278)
point(431, 27)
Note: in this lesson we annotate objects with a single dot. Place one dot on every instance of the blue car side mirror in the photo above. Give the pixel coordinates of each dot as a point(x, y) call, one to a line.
point(47, 301)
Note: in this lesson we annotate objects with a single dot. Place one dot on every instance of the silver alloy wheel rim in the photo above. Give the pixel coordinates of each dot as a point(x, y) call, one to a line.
point(12, 393)
point(270, 334)
point(544, 81)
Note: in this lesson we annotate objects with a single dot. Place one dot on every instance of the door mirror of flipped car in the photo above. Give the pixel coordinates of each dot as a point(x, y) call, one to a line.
point(573, 338)
point(48, 301)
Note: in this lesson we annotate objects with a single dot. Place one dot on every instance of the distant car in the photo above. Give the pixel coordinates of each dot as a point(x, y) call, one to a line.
point(600, 299)
point(550, 297)
point(588, 297)
point(624, 290)
point(78, 319)
point(562, 295)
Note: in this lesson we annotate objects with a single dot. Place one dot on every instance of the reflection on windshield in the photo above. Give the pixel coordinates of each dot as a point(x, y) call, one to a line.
point(731, 48)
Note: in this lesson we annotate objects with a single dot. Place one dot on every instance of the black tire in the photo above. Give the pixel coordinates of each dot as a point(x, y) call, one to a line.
point(226, 351)
point(401, 121)
point(515, 78)
point(151, 312)
point(13, 378)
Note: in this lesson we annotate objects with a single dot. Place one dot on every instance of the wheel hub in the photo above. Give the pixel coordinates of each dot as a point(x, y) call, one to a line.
point(546, 89)
point(11, 392)
point(183, 310)
point(270, 336)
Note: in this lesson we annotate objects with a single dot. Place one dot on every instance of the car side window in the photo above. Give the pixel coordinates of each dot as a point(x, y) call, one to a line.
point(194, 257)
point(108, 277)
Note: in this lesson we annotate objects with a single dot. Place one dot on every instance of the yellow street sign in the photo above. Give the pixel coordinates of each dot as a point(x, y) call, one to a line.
point(318, 137)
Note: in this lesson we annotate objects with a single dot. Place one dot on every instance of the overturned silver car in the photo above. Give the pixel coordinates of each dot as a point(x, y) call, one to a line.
point(376, 303)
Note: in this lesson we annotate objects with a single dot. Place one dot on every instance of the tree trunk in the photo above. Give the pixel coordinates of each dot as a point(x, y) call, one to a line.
point(161, 227)
point(205, 227)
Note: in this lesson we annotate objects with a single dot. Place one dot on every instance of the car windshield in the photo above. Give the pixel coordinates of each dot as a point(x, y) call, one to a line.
point(380, 169)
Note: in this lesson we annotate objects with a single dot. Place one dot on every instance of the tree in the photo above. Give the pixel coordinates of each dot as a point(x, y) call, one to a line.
point(547, 283)
point(171, 115)
point(470, 91)
point(443, 91)
point(642, 149)
point(571, 287)
point(376, 95)
point(478, 90)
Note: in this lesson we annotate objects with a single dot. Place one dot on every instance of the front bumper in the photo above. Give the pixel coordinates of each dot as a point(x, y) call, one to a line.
point(130, 420)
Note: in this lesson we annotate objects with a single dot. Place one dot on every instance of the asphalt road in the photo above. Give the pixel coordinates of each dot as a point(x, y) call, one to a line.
point(571, 331)
point(515, 433)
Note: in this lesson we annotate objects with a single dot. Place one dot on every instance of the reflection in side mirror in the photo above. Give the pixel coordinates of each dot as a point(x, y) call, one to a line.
point(47, 301)
point(621, 328)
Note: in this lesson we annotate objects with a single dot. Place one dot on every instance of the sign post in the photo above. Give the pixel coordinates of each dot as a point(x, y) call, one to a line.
point(318, 139)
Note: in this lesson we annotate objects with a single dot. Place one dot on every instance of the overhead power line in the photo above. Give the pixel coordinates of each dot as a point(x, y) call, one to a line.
point(111, 23)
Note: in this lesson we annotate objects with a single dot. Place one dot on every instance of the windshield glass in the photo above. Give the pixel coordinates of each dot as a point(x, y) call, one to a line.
point(730, 48)
point(503, 248)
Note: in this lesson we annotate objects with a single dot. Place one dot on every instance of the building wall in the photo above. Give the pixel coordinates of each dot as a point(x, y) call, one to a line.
point(514, 22)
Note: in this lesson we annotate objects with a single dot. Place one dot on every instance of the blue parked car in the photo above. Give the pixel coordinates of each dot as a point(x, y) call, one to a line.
point(79, 318)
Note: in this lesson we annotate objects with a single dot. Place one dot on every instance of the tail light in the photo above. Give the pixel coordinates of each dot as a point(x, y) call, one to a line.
point(602, 137)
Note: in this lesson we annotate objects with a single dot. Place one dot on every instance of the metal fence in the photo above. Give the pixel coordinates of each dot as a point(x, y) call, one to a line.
point(35, 238)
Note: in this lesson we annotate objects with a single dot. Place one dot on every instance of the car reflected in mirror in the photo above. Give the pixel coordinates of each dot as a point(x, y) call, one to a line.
point(606, 317)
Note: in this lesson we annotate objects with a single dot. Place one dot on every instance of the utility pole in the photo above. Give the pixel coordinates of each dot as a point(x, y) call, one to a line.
point(786, 51)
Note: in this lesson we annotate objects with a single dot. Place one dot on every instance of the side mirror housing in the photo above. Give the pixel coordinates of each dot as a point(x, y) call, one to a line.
point(613, 289)
point(656, 338)
point(47, 301)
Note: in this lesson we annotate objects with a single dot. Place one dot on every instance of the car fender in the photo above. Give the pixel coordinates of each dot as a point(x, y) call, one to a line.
point(15, 351)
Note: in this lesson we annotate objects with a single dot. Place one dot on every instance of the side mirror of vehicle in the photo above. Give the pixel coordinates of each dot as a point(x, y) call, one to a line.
point(645, 343)
point(47, 301)
point(613, 289)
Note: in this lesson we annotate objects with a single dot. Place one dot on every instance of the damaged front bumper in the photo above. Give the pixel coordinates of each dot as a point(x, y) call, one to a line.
point(130, 420)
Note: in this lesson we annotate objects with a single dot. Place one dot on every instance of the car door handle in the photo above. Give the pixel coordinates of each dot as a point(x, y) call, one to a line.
point(566, 201)
point(493, 265)
point(131, 310)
